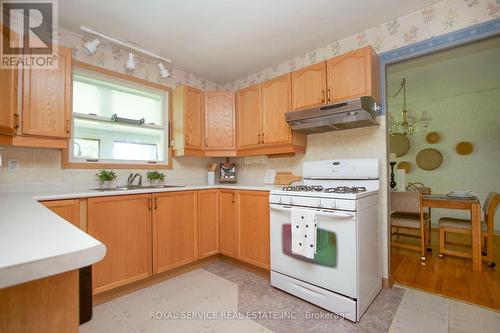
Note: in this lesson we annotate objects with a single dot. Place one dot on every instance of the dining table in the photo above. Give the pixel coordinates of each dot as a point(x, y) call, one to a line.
point(471, 204)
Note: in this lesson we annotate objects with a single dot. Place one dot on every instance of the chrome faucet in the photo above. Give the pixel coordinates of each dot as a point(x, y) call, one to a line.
point(132, 177)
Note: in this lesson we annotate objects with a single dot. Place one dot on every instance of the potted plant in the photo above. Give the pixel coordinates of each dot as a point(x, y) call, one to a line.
point(106, 177)
point(155, 177)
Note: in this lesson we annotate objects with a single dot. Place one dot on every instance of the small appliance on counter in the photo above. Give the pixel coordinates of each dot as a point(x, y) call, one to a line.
point(227, 172)
point(211, 174)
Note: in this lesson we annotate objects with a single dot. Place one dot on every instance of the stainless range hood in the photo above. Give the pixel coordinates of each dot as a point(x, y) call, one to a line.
point(359, 112)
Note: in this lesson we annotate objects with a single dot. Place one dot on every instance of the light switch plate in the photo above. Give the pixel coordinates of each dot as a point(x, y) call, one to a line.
point(14, 165)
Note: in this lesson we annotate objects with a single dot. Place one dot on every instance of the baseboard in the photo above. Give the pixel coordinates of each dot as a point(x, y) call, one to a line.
point(387, 283)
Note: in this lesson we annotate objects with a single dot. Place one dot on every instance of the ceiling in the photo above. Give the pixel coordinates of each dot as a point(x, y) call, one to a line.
point(458, 71)
point(224, 40)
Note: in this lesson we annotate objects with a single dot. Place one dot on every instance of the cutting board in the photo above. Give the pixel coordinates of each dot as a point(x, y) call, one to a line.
point(286, 178)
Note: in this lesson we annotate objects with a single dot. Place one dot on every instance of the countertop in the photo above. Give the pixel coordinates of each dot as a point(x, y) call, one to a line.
point(36, 243)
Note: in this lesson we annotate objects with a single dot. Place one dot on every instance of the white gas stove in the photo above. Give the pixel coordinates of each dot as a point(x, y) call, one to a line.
point(345, 276)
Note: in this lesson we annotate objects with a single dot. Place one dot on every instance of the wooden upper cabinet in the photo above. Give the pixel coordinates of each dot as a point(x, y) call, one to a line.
point(276, 101)
point(208, 223)
point(123, 224)
point(47, 99)
point(9, 116)
point(67, 209)
point(309, 86)
point(227, 223)
point(187, 118)
point(9, 79)
point(175, 230)
point(193, 103)
point(253, 227)
point(220, 131)
point(249, 117)
point(354, 74)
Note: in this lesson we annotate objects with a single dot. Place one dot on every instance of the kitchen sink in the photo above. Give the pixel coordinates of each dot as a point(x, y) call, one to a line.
point(135, 187)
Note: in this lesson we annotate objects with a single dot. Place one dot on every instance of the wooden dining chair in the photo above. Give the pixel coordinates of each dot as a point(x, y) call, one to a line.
point(464, 226)
point(407, 213)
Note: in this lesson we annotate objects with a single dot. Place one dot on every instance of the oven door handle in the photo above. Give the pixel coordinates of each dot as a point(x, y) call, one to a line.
point(318, 212)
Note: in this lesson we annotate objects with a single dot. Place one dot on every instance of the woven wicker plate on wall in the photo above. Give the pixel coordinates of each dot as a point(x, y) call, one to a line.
point(399, 144)
point(464, 148)
point(433, 137)
point(405, 166)
point(429, 159)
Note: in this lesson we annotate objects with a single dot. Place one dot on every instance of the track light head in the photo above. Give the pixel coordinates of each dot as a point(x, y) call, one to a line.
point(164, 72)
point(130, 65)
point(91, 46)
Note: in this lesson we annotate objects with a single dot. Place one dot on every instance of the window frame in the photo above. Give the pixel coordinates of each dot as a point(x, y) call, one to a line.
point(66, 161)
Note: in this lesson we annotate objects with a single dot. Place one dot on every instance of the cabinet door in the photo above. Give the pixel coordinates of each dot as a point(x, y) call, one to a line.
point(67, 209)
point(249, 117)
point(219, 120)
point(47, 99)
point(193, 121)
point(352, 75)
point(309, 86)
point(123, 224)
point(9, 116)
point(276, 95)
point(208, 223)
point(227, 223)
point(253, 228)
point(175, 239)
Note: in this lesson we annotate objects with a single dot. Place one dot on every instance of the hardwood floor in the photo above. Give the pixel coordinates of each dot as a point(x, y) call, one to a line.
point(450, 276)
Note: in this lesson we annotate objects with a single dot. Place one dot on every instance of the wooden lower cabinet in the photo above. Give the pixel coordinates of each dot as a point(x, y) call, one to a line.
point(227, 223)
point(253, 227)
point(147, 234)
point(208, 223)
point(45, 305)
point(175, 230)
point(123, 224)
point(67, 209)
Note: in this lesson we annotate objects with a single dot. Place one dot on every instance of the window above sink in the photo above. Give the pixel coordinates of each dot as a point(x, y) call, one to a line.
point(118, 121)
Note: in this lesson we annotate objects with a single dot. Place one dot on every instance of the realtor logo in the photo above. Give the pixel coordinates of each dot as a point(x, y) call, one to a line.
point(29, 32)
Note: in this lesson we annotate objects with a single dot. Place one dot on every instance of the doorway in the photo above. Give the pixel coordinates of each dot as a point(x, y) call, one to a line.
point(443, 112)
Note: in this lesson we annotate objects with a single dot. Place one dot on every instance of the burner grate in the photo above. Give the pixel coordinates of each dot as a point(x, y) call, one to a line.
point(346, 189)
point(304, 188)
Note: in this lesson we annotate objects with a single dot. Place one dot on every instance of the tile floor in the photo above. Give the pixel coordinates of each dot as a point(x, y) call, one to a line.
point(425, 312)
point(225, 297)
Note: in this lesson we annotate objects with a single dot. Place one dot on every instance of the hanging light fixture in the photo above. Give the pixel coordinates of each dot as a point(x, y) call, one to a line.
point(130, 65)
point(406, 125)
point(91, 46)
point(164, 72)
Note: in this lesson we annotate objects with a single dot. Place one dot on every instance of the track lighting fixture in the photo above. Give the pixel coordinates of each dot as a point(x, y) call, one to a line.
point(164, 72)
point(91, 46)
point(130, 65)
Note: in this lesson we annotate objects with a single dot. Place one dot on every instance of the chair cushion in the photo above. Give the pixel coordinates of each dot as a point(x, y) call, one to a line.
point(450, 222)
point(404, 222)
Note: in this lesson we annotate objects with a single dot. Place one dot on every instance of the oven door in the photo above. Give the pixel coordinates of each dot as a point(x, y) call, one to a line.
point(334, 265)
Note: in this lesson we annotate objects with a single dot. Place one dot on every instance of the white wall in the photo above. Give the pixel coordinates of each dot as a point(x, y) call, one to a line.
point(473, 117)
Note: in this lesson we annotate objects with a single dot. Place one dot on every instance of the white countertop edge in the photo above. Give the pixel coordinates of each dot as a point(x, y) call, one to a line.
point(44, 196)
point(25, 272)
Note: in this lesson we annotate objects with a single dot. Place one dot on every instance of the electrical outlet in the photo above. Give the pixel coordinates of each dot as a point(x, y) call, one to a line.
point(14, 165)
